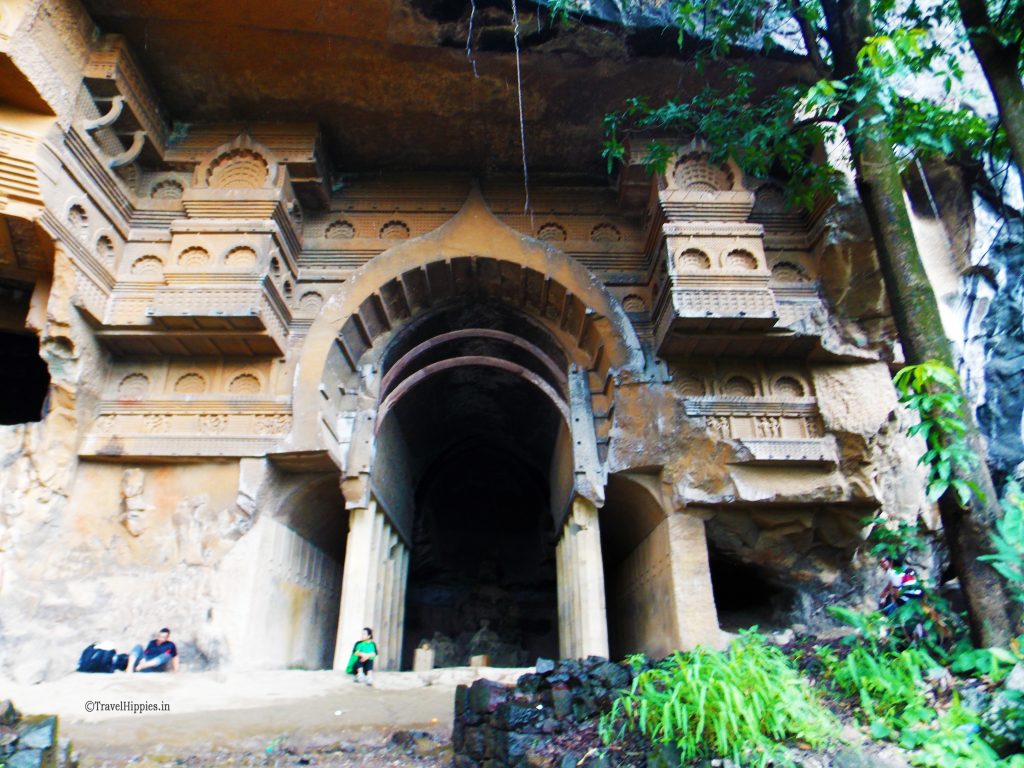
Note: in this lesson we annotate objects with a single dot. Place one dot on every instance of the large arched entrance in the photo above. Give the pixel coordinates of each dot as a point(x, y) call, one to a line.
point(473, 409)
point(463, 383)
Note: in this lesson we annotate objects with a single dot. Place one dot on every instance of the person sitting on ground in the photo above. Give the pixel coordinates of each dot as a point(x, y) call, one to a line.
point(159, 656)
point(360, 663)
point(901, 585)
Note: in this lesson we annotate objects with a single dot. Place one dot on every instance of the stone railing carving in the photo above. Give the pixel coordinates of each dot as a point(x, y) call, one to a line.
point(186, 427)
point(774, 431)
point(770, 410)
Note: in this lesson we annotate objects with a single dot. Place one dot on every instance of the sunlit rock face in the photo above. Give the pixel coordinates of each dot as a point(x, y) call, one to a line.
point(307, 364)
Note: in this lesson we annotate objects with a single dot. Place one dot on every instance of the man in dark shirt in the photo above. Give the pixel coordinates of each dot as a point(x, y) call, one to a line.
point(159, 656)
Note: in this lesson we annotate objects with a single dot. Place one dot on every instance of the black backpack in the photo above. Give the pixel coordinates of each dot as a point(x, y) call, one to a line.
point(95, 659)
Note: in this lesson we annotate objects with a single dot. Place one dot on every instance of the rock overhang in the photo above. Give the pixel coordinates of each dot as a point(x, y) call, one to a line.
point(392, 86)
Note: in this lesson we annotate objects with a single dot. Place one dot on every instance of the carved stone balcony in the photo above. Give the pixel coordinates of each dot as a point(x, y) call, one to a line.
point(248, 308)
point(773, 431)
point(714, 280)
point(222, 312)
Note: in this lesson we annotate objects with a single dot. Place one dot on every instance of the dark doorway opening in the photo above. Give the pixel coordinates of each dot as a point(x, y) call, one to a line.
point(482, 575)
point(24, 379)
point(746, 595)
point(474, 454)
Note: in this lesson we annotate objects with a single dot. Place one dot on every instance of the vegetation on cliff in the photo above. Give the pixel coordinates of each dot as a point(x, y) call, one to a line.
point(869, 61)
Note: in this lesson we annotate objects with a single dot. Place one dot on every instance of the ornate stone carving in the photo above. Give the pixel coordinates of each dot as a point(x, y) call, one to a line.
point(212, 423)
point(394, 230)
point(787, 387)
point(238, 169)
point(605, 233)
point(740, 259)
point(769, 427)
point(105, 248)
point(190, 384)
point(340, 230)
point(552, 232)
point(193, 258)
point(134, 509)
point(719, 426)
point(788, 272)
point(155, 423)
point(150, 266)
point(311, 301)
point(690, 386)
point(693, 172)
point(634, 303)
point(738, 386)
point(167, 189)
point(692, 259)
point(242, 257)
point(245, 384)
point(273, 423)
point(78, 219)
point(134, 386)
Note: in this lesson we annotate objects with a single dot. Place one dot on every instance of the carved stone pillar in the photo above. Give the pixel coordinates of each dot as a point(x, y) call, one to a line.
point(696, 614)
point(582, 619)
point(372, 586)
point(389, 608)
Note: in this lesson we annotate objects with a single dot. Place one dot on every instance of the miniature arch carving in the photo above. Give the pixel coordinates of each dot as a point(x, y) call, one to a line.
point(788, 385)
point(239, 164)
point(739, 386)
point(693, 172)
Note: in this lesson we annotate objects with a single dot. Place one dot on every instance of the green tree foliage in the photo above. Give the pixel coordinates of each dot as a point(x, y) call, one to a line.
point(867, 92)
point(932, 390)
point(995, 29)
point(862, 65)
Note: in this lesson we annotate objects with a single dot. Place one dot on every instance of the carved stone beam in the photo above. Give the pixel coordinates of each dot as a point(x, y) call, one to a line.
point(116, 108)
point(129, 155)
point(470, 333)
point(408, 384)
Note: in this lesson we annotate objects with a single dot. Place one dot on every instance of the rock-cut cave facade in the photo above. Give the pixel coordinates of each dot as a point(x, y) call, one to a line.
point(267, 401)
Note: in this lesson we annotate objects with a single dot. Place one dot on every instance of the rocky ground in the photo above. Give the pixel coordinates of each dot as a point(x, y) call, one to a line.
point(347, 748)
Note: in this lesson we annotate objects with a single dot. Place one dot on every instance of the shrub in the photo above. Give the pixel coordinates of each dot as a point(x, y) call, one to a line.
point(744, 704)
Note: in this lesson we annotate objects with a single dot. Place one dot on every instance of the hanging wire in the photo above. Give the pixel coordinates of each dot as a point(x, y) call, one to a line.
point(522, 122)
point(469, 38)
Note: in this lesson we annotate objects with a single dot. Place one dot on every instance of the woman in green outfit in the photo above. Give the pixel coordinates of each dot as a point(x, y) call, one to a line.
point(364, 652)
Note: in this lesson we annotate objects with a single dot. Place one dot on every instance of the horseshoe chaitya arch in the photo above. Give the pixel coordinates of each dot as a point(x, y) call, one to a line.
point(472, 255)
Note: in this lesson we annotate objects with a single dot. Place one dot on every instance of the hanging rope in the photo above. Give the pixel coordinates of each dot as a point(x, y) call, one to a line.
point(522, 122)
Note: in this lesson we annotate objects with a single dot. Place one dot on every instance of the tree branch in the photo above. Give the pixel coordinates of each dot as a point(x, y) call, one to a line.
point(810, 38)
point(809, 121)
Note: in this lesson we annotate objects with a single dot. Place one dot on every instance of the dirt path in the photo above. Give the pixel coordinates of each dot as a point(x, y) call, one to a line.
point(276, 718)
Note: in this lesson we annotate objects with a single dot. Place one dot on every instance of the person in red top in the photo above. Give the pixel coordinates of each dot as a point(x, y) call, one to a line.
point(901, 585)
point(160, 655)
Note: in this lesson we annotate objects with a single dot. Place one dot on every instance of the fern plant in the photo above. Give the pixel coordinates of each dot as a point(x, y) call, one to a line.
point(1008, 541)
point(744, 704)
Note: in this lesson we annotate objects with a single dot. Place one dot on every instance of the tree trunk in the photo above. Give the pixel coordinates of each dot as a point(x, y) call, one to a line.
point(916, 314)
point(999, 62)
